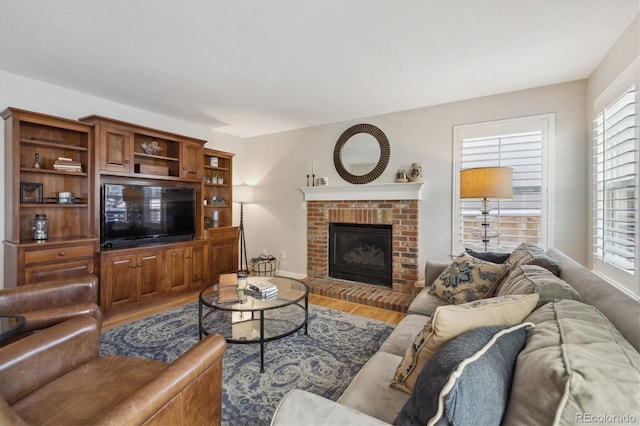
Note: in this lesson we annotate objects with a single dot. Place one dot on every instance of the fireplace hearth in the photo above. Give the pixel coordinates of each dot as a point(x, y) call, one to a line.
point(361, 252)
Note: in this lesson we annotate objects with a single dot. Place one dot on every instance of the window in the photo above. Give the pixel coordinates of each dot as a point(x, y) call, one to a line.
point(615, 182)
point(521, 144)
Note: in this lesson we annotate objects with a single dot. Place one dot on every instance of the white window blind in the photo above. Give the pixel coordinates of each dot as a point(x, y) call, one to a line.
point(519, 144)
point(615, 191)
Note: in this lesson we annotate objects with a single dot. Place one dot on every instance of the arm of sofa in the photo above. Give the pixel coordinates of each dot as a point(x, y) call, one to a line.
point(51, 302)
point(302, 407)
point(432, 270)
point(188, 392)
point(32, 362)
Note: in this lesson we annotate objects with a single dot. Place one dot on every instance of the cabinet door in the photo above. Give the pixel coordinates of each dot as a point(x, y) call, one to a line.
point(150, 273)
point(199, 265)
point(116, 150)
point(223, 258)
point(36, 274)
point(191, 160)
point(119, 280)
point(177, 271)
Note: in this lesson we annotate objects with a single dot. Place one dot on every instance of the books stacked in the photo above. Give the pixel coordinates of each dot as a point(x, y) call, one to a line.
point(262, 290)
point(65, 164)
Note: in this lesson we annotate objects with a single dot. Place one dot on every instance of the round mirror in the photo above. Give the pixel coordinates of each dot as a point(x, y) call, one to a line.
point(361, 153)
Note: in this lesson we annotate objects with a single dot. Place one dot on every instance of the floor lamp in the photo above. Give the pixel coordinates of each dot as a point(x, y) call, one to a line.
point(485, 183)
point(242, 194)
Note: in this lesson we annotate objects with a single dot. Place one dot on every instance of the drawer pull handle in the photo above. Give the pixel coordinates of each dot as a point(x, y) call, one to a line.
point(61, 253)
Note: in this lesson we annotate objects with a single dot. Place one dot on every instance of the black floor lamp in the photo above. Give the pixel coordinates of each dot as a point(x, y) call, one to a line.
point(242, 194)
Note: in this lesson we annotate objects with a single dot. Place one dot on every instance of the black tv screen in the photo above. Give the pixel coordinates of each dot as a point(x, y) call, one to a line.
point(136, 215)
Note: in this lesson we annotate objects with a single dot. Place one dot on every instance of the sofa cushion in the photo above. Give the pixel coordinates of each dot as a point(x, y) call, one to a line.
point(575, 364)
point(468, 279)
point(451, 321)
point(369, 391)
point(528, 279)
point(425, 303)
point(403, 334)
point(490, 256)
point(531, 254)
point(618, 306)
point(468, 380)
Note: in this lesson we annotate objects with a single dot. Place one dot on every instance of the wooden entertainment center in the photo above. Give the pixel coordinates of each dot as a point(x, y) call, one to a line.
point(46, 156)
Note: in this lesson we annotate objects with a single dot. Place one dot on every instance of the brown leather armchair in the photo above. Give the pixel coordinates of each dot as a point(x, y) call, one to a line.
point(57, 377)
point(51, 302)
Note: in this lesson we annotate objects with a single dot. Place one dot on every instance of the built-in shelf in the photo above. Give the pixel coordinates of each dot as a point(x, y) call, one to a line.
point(382, 191)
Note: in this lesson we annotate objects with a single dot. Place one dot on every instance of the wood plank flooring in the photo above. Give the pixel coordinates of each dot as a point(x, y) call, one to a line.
point(116, 319)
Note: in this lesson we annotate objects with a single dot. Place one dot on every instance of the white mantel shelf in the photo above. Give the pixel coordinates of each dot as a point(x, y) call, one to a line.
point(381, 191)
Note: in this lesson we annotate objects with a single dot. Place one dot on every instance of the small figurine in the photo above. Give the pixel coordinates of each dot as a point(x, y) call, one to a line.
point(36, 165)
point(415, 174)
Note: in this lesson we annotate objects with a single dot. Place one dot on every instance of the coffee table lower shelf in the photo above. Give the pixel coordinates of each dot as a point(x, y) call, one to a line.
point(254, 320)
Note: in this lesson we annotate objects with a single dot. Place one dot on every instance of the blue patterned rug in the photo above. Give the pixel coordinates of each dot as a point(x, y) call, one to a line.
point(322, 362)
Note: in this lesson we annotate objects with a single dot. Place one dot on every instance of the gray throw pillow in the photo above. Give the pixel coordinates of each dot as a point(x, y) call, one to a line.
point(468, 380)
point(490, 256)
point(531, 254)
point(529, 279)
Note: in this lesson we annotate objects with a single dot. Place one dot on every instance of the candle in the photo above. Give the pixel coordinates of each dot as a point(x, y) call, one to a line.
point(308, 167)
point(313, 169)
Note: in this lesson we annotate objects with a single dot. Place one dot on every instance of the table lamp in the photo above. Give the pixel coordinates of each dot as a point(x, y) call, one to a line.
point(486, 183)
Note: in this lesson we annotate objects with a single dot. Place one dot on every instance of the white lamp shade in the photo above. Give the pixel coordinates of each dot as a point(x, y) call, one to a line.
point(242, 194)
point(486, 182)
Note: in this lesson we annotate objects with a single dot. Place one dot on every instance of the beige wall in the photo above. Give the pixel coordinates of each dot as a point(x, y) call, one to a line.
point(276, 164)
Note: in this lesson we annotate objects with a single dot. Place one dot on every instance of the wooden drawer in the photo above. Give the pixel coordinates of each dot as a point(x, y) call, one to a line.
point(35, 274)
point(222, 233)
point(58, 254)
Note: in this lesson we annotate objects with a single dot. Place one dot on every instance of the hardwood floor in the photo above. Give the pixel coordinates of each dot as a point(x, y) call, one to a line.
point(118, 318)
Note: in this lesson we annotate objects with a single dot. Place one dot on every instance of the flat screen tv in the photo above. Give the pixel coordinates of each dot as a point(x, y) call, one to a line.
point(135, 215)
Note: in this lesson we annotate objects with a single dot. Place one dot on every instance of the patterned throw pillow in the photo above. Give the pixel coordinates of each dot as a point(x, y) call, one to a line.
point(450, 321)
point(531, 254)
point(468, 279)
point(468, 380)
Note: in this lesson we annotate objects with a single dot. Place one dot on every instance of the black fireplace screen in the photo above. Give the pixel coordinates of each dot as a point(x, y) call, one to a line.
point(361, 253)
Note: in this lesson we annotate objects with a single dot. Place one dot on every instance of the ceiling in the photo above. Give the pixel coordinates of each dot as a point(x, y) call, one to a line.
point(256, 67)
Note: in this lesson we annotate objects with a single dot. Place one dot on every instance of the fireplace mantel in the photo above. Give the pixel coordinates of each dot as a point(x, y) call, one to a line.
point(381, 191)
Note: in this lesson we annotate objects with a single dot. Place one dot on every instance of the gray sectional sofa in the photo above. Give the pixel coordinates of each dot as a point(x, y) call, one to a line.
point(580, 362)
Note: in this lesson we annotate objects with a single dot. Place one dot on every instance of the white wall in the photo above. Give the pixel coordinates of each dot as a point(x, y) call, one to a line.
point(619, 57)
point(276, 165)
point(20, 92)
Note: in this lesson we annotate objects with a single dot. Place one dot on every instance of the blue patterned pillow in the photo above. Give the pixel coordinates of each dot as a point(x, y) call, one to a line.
point(468, 380)
point(468, 279)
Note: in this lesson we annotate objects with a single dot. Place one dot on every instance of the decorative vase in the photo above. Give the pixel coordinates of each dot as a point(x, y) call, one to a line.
point(401, 176)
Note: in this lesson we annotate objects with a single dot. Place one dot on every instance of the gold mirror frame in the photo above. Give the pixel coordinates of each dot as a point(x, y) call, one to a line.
point(383, 161)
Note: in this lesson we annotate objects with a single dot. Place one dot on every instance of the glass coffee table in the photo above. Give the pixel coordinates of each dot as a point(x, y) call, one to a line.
point(255, 320)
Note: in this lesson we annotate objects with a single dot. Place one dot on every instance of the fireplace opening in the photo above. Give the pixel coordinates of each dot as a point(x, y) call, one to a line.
point(360, 252)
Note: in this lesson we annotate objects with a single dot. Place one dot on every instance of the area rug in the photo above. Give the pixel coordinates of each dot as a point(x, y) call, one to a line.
point(322, 362)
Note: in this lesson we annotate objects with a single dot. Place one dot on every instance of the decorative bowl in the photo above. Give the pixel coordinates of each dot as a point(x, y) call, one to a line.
point(151, 148)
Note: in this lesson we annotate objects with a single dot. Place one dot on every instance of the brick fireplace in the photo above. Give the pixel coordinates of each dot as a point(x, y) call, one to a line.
point(339, 205)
